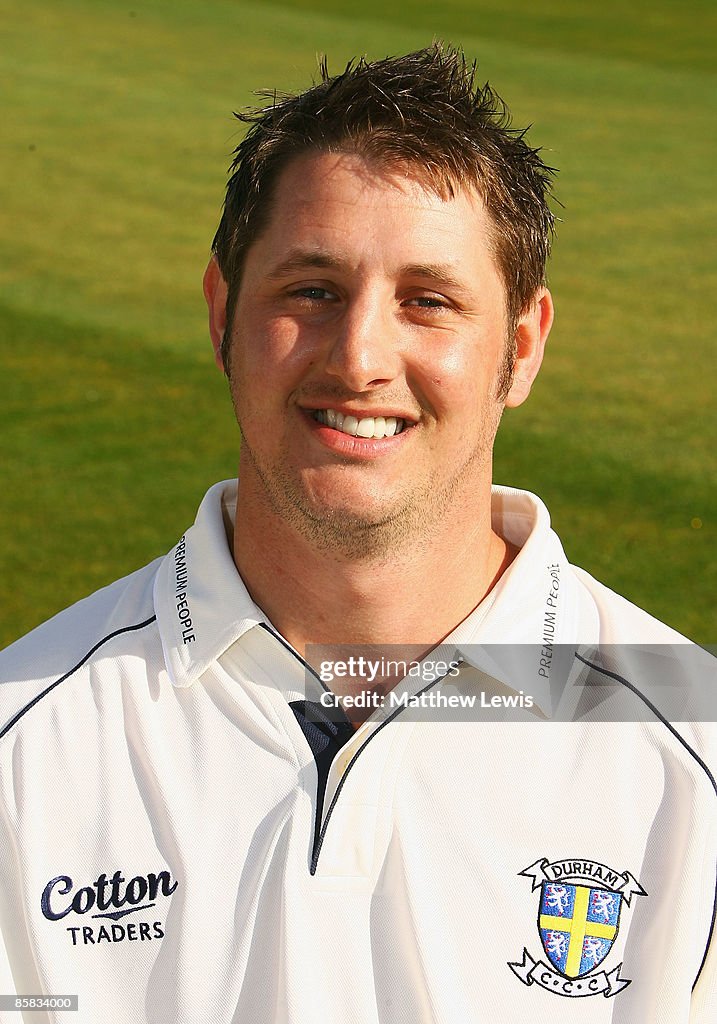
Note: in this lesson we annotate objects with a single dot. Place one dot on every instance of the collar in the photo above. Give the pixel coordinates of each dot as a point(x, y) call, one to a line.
point(200, 600)
point(524, 631)
point(203, 606)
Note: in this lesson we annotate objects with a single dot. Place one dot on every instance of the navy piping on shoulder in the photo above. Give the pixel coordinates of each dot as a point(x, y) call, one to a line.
point(630, 686)
point(651, 706)
point(80, 663)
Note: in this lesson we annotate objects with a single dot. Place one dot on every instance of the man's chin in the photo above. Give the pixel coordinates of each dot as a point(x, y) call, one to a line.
point(349, 517)
point(353, 522)
point(349, 531)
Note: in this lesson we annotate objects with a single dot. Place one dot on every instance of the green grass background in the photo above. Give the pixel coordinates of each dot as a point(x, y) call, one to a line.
point(115, 140)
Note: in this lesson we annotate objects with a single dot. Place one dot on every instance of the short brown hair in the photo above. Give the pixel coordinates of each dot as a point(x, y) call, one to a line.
point(423, 109)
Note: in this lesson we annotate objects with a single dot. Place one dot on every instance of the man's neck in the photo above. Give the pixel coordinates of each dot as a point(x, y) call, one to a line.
point(415, 594)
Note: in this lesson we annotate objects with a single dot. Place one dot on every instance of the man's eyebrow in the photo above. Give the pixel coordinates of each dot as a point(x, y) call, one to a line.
point(437, 272)
point(304, 259)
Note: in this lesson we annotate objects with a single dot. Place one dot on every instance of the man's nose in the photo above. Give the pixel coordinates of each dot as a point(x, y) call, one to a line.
point(365, 350)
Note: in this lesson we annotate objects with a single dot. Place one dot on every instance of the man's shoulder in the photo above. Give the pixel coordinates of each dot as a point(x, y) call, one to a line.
point(70, 640)
point(664, 676)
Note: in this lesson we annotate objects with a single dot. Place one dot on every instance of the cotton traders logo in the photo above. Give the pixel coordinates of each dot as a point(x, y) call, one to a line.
point(578, 925)
point(111, 898)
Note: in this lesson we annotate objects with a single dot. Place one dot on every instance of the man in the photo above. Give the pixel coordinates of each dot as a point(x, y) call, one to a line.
point(198, 827)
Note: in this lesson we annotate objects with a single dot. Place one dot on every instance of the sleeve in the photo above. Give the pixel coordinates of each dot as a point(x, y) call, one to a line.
point(703, 1005)
point(7, 984)
point(7, 927)
point(18, 973)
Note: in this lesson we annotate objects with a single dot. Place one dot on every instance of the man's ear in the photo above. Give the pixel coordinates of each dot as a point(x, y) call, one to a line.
point(530, 337)
point(215, 292)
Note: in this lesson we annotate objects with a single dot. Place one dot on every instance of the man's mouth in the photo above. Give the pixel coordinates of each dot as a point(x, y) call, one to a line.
point(369, 426)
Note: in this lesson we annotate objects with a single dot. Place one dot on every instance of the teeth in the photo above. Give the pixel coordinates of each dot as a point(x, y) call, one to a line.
point(365, 427)
point(370, 426)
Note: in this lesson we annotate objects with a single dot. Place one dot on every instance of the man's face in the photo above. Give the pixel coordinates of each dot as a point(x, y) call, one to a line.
point(370, 305)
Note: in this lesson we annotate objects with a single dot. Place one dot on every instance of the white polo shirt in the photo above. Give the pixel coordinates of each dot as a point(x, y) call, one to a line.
point(184, 841)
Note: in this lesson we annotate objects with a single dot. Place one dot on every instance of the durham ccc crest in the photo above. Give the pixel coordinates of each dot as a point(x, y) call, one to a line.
point(578, 922)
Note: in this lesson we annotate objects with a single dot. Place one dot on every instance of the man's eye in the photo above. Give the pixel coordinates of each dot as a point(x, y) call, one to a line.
point(313, 293)
point(427, 302)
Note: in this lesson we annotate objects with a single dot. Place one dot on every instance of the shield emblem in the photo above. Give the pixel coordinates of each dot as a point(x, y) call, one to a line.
point(577, 926)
